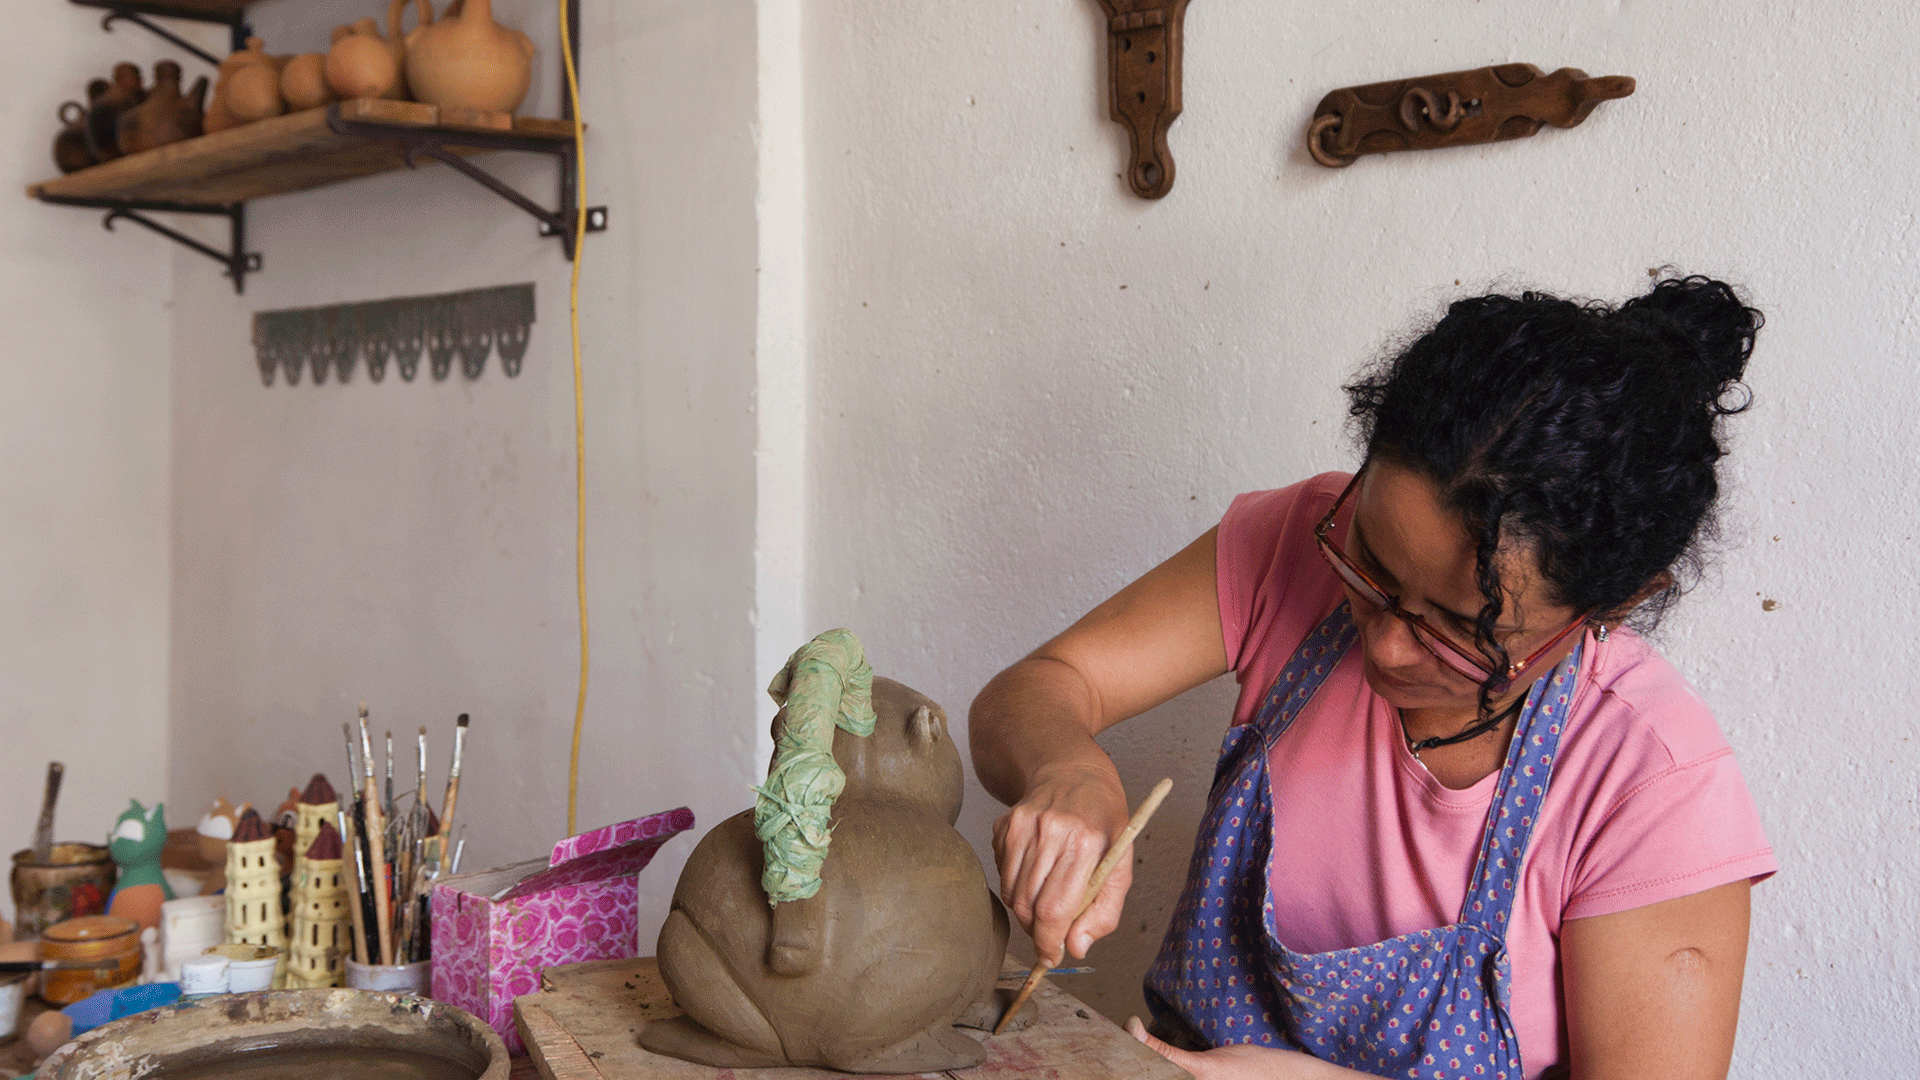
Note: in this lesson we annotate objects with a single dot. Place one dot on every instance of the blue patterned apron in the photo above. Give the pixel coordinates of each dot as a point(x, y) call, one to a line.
point(1431, 1004)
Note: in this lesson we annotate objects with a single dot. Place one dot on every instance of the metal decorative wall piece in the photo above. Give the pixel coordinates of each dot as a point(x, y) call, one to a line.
point(327, 341)
point(1507, 101)
point(1143, 70)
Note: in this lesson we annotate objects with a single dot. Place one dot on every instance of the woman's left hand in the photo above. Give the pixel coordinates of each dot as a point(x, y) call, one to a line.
point(1239, 1061)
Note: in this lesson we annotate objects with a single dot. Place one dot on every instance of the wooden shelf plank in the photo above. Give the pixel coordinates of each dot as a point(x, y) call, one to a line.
point(283, 154)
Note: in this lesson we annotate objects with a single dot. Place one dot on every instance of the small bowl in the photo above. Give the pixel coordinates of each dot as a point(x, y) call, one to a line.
point(396, 978)
point(249, 967)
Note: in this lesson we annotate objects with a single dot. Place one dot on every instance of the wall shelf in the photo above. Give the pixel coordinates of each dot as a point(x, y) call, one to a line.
point(218, 174)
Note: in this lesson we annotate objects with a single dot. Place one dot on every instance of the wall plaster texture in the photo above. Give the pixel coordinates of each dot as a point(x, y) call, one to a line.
point(1030, 386)
point(412, 544)
point(84, 494)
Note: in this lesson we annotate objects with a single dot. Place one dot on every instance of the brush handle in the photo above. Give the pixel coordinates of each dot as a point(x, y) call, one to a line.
point(1115, 852)
point(43, 833)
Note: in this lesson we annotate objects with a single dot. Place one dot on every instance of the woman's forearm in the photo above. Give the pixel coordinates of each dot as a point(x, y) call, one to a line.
point(1034, 720)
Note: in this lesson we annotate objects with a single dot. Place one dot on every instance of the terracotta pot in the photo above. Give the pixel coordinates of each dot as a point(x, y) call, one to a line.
point(167, 116)
point(468, 61)
point(75, 880)
point(103, 112)
point(252, 83)
point(94, 938)
point(364, 64)
point(303, 82)
point(70, 150)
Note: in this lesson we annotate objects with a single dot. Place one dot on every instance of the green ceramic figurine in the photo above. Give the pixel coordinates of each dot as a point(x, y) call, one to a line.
point(135, 846)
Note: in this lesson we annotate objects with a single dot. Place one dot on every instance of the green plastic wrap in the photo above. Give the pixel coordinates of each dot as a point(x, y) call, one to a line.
point(827, 683)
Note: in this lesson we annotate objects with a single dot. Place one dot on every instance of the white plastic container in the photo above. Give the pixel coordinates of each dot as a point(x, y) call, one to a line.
point(13, 992)
point(396, 978)
point(204, 975)
point(188, 927)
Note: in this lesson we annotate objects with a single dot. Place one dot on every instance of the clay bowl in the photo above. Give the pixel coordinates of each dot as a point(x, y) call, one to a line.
point(286, 1033)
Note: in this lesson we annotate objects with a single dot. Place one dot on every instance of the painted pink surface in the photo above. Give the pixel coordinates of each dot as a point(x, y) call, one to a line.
point(487, 952)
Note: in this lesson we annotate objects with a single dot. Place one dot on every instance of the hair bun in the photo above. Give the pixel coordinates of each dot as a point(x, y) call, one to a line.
point(1716, 328)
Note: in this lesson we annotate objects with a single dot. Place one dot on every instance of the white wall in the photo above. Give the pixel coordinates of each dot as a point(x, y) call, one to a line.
point(412, 544)
point(83, 430)
point(1030, 386)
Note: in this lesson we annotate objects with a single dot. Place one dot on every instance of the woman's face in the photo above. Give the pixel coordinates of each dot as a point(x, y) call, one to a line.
point(1418, 550)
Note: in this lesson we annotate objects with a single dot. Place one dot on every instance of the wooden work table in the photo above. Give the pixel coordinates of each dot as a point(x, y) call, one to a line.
point(585, 1024)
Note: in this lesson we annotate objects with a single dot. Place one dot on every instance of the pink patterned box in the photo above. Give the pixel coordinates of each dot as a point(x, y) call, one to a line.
point(494, 931)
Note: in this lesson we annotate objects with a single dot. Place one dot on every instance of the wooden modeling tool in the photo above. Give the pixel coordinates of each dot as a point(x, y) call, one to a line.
point(43, 833)
point(1121, 845)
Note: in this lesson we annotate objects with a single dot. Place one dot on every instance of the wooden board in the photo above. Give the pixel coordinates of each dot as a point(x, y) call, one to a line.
point(282, 154)
point(585, 1024)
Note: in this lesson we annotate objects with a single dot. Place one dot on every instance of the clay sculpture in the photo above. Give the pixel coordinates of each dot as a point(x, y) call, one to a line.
point(136, 842)
point(70, 150)
point(252, 84)
point(303, 80)
point(468, 61)
point(891, 936)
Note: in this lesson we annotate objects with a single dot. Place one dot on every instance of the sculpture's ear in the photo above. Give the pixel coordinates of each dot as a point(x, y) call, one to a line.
point(925, 728)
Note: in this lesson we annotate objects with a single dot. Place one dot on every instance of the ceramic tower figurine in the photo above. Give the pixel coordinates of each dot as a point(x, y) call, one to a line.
point(135, 846)
point(322, 927)
point(317, 806)
point(254, 915)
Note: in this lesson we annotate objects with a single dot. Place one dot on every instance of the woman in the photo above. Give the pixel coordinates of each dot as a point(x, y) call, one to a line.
point(1466, 822)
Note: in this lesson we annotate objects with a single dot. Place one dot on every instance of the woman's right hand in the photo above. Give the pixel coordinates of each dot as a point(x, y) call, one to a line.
point(1048, 845)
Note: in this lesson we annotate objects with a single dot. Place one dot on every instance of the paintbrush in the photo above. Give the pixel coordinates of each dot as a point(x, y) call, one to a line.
point(452, 800)
point(43, 832)
point(375, 828)
point(1121, 845)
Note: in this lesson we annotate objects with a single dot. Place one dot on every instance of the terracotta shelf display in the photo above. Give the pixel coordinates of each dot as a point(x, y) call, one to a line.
point(290, 153)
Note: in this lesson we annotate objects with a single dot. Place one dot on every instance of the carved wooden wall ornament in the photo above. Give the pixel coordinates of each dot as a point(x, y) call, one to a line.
point(1143, 69)
point(1508, 101)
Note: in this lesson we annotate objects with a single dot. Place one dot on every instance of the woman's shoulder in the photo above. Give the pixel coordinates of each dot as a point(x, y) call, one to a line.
point(1646, 708)
point(1257, 519)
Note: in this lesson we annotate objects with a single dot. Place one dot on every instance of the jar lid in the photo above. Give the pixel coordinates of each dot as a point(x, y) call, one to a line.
point(91, 928)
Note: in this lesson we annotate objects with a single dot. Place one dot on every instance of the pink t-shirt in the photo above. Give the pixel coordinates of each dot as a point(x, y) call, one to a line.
point(1646, 802)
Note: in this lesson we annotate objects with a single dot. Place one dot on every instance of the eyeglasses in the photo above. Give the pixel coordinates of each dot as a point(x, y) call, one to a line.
point(1465, 659)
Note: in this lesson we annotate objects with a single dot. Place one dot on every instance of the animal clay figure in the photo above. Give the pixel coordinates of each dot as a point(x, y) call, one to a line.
point(899, 938)
point(135, 846)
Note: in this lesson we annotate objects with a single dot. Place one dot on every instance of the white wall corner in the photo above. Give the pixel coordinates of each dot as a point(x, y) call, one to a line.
point(780, 382)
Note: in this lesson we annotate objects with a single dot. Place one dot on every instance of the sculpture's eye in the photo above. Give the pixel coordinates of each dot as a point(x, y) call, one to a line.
point(131, 829)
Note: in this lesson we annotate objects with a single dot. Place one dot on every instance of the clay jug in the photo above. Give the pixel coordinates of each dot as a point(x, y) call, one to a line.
point(363, 64)
point(167, 116)
point(103, 115)
point(303, 82)
point(253, 84)
point(468, 61)
point(70, 151)
point(902, 941)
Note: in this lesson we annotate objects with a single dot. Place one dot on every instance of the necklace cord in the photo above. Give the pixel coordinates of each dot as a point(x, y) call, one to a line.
point(1471, 731)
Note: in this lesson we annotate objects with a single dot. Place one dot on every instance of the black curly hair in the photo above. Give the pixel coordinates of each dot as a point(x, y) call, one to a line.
point(1586, 432)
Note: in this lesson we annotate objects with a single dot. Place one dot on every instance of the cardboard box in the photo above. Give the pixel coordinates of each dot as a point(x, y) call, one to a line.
point(495, 930)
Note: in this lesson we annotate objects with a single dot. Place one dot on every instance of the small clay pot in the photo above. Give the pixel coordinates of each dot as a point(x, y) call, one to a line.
point(467, 61)
point(70, 151)
point(364, 64)
point(103, 111)
point(167, 116)
point(303, 82)
point(252, 84)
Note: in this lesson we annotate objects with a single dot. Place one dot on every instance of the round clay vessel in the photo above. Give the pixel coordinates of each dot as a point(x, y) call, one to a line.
point(363, 64)
point(253, 86)
point(103, 113)
point(467, 61)
point(307, 1029)
point(167, 116)
point(303, 82)
point(70, 150)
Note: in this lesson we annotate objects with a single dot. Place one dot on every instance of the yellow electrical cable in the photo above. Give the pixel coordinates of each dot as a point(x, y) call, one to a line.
point(579, 406)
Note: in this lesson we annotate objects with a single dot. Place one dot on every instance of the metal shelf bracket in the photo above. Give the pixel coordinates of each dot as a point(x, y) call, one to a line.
point(136, 12)
point(238, 261)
